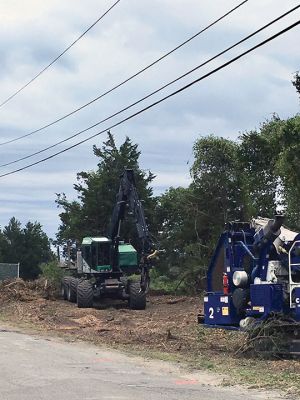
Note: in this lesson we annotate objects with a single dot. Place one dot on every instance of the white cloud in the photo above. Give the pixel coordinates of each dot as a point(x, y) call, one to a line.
point(171, 179)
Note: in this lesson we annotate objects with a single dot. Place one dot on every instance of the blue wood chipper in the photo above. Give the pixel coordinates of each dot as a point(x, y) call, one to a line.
point(254, 274)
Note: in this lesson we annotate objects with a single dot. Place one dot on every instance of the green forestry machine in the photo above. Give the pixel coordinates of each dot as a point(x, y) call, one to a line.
point(103, 265)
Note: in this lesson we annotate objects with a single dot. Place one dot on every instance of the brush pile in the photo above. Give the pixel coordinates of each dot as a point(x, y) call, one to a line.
point(25, 291)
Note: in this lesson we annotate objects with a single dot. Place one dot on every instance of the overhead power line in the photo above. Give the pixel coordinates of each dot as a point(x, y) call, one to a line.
point(58, 57)
point(183, 88)
point(127, 79)
point(152, 93)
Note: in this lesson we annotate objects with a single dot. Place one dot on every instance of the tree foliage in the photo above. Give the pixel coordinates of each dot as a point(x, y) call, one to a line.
point(287, 141)
point(28, 246)
point(231, 180)
point(258, 166)
point(96, 191)
point(296, 82)
point(217, 179)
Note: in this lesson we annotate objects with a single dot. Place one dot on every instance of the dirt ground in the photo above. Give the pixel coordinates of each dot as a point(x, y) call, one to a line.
point(168, 323)
point(167, 329)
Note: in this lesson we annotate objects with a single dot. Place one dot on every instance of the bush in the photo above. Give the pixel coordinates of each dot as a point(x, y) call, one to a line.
point(52, 272)
point(190, 282)
point(164, 284)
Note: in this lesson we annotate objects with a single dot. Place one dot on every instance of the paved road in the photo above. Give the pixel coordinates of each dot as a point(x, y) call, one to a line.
point(35, 368)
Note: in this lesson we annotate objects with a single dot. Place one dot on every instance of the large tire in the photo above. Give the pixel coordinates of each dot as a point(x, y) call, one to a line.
point(85, 294)
point(64, 287)
point(72, 290)
point(137, 297)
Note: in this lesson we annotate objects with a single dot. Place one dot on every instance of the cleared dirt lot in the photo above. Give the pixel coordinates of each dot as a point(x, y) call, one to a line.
point(168, 323)
point(167, 329)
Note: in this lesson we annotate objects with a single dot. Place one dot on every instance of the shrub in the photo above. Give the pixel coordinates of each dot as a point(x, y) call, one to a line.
point(52, 272)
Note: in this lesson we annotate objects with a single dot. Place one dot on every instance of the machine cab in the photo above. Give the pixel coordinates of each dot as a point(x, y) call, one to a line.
point(95, 252)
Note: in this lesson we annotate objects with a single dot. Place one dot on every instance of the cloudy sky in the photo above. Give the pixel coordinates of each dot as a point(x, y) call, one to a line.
point(131, 36)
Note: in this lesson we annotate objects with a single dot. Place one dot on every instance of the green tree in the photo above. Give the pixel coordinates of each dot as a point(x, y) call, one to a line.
point(96, 192)
point(28, 246)
point(258, 155)
point(270, 159)
point(13, 242)
point(296, 82)
point(287, 140)
point(182, 238)
point(36, 250)
point(172, 213)
point(218, 180)
point(193, 218)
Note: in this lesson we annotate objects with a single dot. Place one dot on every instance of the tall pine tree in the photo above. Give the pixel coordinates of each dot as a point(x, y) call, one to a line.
point(96, 191)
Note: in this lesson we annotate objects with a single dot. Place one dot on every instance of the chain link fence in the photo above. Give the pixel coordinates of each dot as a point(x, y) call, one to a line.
point(9, 271)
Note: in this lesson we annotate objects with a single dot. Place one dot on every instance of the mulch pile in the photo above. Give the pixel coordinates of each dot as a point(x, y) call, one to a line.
point(20, 290)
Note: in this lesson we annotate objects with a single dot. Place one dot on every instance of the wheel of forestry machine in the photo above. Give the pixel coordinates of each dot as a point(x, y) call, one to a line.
point(72, 290)
point(137, 296)
point(85, 294)
point(64, 287)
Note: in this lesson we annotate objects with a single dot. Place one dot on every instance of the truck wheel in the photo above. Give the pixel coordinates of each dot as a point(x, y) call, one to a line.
point(85, 294)
point(137, 298)
point(64, 287)
point(72, 290)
